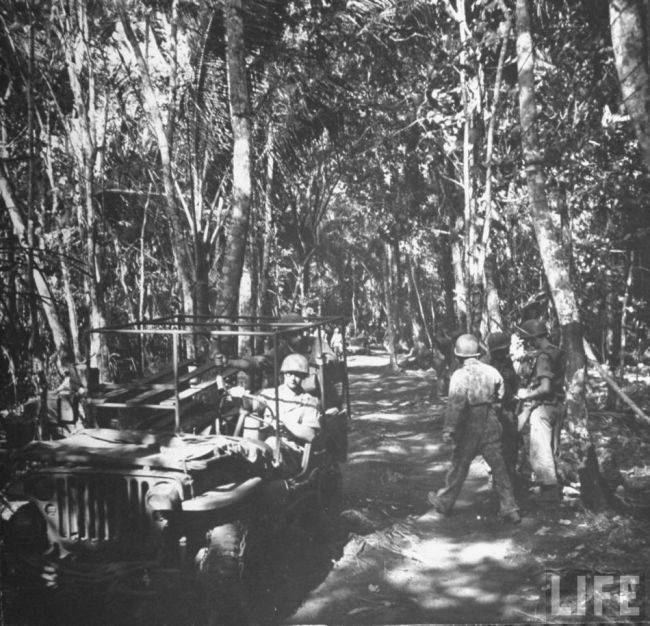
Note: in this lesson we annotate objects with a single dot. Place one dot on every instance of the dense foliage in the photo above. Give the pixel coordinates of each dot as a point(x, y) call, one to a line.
point(384, 163)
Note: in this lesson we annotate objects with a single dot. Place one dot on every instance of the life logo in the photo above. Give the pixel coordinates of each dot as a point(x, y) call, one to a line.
point(583, 596)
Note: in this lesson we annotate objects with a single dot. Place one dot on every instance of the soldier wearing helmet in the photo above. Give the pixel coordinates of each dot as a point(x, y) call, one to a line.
point(298, 411)
point(472, 425)
point(499, 358)
point(540, 393)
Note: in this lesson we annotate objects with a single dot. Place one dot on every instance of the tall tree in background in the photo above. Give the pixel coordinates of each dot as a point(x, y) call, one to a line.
point(357, 101)
point(240, 119)
point(22, 219)
point(164, 133)
point(630, 44)
point(84, 130)
point(59, 335)
point(556, 268)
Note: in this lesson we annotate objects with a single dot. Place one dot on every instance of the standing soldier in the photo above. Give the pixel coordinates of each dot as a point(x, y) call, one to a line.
point(65, 414)
point(336, 342)
point(499, 358)
point(472, 425)
point(540, 394)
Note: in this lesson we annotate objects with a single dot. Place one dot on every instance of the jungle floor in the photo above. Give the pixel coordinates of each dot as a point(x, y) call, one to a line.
point(392, 563)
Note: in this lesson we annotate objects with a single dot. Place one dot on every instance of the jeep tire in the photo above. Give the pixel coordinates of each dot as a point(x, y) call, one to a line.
point(220, 568)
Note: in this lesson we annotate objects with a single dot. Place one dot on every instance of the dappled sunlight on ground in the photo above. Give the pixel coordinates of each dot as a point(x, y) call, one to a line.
point(400, 564)
point(402, 567)
point(381, 579)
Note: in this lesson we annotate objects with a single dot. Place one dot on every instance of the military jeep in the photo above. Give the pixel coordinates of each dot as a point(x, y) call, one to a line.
point(163, 475)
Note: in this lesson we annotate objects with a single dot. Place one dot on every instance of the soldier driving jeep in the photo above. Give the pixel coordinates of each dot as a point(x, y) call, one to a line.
point(298, 412)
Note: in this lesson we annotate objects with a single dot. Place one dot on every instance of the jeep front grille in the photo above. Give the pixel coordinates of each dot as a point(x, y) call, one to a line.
point(101, 507)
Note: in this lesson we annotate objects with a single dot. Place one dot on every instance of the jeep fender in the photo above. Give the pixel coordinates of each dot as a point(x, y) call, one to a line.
point(225, 496)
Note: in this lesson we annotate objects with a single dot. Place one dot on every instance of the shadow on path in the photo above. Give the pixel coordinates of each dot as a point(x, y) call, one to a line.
point(400, 567)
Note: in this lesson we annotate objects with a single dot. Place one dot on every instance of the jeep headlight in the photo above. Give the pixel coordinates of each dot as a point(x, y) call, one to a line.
point(26, 530)
point(163, 498)
point(41, 487)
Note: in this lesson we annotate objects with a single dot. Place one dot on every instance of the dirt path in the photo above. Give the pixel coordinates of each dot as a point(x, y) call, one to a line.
point(400, 566)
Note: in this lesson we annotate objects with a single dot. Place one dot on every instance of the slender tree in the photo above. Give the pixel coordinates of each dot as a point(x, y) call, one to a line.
point(240, 119)
point(163, 131)
point(555, 265)
point(40, 283)
point(630, 44)
point(83, 126)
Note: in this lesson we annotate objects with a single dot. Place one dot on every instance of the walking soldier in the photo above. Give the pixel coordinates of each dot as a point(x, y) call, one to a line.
point(473, 427)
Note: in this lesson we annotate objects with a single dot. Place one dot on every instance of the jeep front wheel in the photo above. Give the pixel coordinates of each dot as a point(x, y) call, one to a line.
point(220, 566)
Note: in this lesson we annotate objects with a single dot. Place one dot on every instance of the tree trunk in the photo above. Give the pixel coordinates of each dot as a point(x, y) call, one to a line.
point(548, 238)
point(59, 337)
point(400, 306)
point(353, 302)
point(36, 346)
point(447, 277)
point(416, 293)
point(70, 304)
point(611, 349)
point(611, 341)
point(473, 275)
point(482, 249)
point(82, 127)
point(8, 291)
point(460, 284)
point(630, 55)
point(624, 312)
point(263, 303)
point(154, 115)
point(233, 262)
point(493, 321)
point(389, 304)
point(202, 272)
point(246, 304)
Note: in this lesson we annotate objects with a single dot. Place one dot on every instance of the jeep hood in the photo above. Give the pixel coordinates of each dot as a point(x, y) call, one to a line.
point(117, 448)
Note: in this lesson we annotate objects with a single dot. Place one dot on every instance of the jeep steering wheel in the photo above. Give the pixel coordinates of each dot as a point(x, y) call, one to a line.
point(261, 420)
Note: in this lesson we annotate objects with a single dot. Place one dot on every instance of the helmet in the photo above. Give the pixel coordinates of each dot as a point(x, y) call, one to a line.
point(532, 328)
point(467, 346)
point(498, 341)
point(291, 318)
point(295, 363)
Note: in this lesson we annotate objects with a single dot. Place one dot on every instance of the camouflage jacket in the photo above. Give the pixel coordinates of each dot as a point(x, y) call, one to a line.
point(475, 384)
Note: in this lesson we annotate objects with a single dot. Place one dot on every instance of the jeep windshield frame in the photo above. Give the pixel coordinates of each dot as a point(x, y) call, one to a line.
point(182, 331)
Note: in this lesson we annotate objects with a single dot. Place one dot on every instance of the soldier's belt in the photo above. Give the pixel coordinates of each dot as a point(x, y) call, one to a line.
point(539, 402)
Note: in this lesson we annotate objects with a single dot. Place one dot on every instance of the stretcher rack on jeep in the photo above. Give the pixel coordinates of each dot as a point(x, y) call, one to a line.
point(177, 386)
point(165, 476)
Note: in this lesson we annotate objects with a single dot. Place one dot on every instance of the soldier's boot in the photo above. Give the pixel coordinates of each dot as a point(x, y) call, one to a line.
point(436, 503)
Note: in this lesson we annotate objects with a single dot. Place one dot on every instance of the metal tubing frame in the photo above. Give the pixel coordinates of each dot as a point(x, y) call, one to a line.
point(278, 329)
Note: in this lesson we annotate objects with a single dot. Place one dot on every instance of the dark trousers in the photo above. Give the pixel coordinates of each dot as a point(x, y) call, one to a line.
point(509, 441)
point(480, 434)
